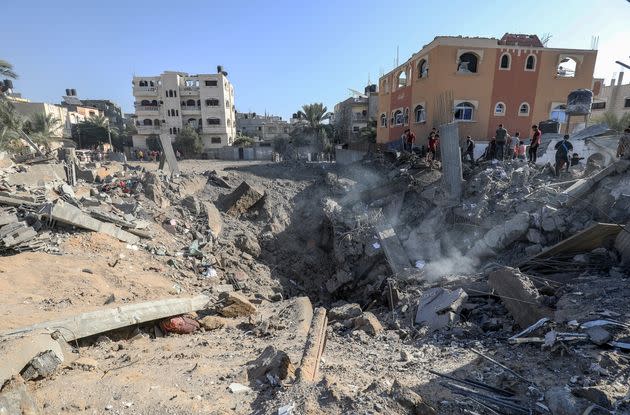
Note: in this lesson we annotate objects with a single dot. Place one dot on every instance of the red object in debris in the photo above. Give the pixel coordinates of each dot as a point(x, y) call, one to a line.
point(179, 325)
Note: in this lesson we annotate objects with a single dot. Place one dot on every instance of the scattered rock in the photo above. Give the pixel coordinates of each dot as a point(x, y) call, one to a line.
point(596, 395)
point(192, 204)
point(439, 307)
point(561, 402)
point(344, 312)
point(247, 242)
point(410, 400)
point(239, 388)
point(41, 366)
point(212, 323)
point(16, 399)
point(598, 335)
point(85, 363)
point(271, 366)
point(215, 223)
point(368, 323)
point(236, 305)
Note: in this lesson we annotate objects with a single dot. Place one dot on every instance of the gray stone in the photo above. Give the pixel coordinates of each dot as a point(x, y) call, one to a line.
point(533, 249)
point(561, 402)
point(597, 396)
point(247, 242)
point(41, 366)
point(410, 400)
point(344, 312)
point(598, 335)
point(368, 323)
point(192, 204)
point(439, 307)
point(502, 235)
point(38, 175)
point(16, 399)
point(215, 222)
point(535, 236)
point(271, 366)
point(519, 295)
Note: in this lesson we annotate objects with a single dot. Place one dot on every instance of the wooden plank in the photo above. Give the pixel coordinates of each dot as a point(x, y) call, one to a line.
point(100, 321)
point(314, 348)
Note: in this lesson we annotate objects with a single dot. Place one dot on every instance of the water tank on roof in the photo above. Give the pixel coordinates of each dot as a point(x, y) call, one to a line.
point(549, 126)
point(579, 102)
point(67, 92)
point(8, 84)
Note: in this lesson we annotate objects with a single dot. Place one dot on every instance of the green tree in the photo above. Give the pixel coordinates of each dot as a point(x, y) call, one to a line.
point(94, 131)
point(6, 70)
point(313, 129)
point(44, 128)
point(243, 141)
point(188, 142)
point(11, 123)
point(369, 132)
point(613, 121)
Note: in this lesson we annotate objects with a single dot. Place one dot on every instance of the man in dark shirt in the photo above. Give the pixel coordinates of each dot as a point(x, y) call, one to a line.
point(563, 149)
point(500, 136)
point(533, 146)
point(469, 150)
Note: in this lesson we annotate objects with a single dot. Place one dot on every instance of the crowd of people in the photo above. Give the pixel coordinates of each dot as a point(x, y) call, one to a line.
point(151, 155)
point(504, 146)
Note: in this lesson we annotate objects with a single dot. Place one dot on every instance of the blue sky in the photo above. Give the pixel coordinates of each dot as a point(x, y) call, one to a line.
point(279, 54)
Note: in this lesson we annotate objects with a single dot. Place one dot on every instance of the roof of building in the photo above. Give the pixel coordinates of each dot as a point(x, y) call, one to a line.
point(519, 39)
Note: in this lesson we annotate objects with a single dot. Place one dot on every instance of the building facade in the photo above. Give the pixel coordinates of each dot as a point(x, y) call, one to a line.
point(110, 109)
point(166, 103)
point(614, 97)
point(480, 82)
point(262, 127)
point(353, 114)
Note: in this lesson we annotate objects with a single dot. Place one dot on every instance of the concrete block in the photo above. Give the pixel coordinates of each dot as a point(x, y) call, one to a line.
point(243, 198)
point(519, 295)
point(38, 175)
point(215, 222)
point(439, 307)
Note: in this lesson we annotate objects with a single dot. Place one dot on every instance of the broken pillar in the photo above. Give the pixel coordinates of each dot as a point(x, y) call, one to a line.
point(243, 198)
point(451, 160)
point(519, 295)
point(169, 155)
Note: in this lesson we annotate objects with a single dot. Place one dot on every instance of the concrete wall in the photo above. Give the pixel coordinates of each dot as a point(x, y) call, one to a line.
point(615, 97)
point(343, 156)
point(29, 109)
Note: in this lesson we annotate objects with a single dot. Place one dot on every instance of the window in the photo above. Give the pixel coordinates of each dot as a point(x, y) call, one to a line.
point(190, 103)
point(523, 110)
point(505, 61)
point(599, 105)
point(211, 83)
point(192, 122)
point(402, 79)
point(467, 63)
point(147, 121)
point(499, 109)
point(227, 104)
point(355, 129)
point(259, 128)
point(156, 122)
point(398, 117)
point(567, 68)
point(383, 120)
point(423, 69)
point(145, 102)
point(170, 130)
point(177, 113)
point(175, 94)
point(626, 103)
point(213, 121)
point(558, 113)
point(530, 63)
point(215, 140)
point(151, 83)
point(190, 82)
point(212, 102)
point(464, 111)
point(419, 114)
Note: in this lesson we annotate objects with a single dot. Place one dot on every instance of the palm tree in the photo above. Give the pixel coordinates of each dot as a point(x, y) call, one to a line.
point(44, 127)
point(6, 70)
point(314, 115)
point(614, 122)
point(11, 124)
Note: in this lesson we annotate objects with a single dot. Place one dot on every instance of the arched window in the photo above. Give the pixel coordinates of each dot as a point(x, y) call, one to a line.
point(467, 63)
point(227, 104)
point(190, 103)
point(154, 103)
point(402, 79)
point(567, 68)
point(383, 120)
point(398, 117)
point(156, 122)
point(530, 63)
point(147, 121)
point(145, 102)
point(212, 102)
point(192, 122)
point(423, 68)
point(464, 111)
point(419, 114)
point(523, 109)
point(505, 61)
point(499, 109)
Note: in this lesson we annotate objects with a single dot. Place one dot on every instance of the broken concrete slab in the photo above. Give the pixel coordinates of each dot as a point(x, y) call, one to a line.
point(394, 251)
point(236, 305)
point(243, 198)
point(38, 175)
point(501, 236)
point(271, 366)
point(215, 222)
point(191, 203)
point(439, 307)
point(95, 322)
point(314, 347)
point(188, 186)
point(622, 244)
point(344, 312)
point(368, 323)
point(580, 188)
point(519, 295)
point(71, 215)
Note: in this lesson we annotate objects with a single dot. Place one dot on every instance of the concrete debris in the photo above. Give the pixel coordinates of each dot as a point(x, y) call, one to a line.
point(314, 347)
point(236, 305)
point(243, 198)
point(368, 323)
point(596, 395)
point(440, 308)
point(192, 204)
point(598, 335)
point(215, 223)
point(239, 388)
point(519, 295)
point(42, 365)
point(271, 367)
point(15, 398)
point(212, 323)
point(501, 236)
point(38, 175)
point(344, 312)
point(410, 400)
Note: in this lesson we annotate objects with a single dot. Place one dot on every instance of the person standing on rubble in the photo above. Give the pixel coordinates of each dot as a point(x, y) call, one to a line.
point(520, 150)
point(512, 145)
point(403, 141)
point(469, 150)
point(533, 146)
point(501, 136)
point(434, 141)
point(563, 149)
point(623, 148)
point(411, 139)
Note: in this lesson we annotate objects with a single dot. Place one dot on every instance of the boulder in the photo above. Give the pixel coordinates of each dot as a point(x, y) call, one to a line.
point(368, 323)
point(236, 305)
point(519, 295)
point(598, 335)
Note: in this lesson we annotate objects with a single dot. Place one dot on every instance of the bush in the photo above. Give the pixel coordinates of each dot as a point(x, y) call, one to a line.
point(188, 142)
point(243, 142)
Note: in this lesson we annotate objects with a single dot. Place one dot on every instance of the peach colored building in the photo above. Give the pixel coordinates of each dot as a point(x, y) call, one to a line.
point(514, 81)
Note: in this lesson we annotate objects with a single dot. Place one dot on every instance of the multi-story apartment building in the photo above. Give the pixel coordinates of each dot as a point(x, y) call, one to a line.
point(515, 81)
point(262, 127)
point(354, 113)
point(166, 103)
point(614, 97)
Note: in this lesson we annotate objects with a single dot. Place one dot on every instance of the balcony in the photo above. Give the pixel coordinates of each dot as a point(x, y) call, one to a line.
point(145, 91)
point(147, 108)
point(191, 110)
point(188, 91)
point(148, 129)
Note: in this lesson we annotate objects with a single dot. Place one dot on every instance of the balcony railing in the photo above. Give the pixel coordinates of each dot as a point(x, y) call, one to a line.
point(145, 90)
point(147, 108)
point(148, 129)
point(191, 109)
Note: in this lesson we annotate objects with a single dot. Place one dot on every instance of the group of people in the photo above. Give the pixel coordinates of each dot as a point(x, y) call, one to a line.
point(504, 146)
point(408, 140)
point(149, 155)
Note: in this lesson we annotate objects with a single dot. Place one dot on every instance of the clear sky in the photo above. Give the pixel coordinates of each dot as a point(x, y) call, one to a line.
point(279, 54)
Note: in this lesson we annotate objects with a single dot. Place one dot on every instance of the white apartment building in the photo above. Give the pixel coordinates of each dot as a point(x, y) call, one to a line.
point(166, 103)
